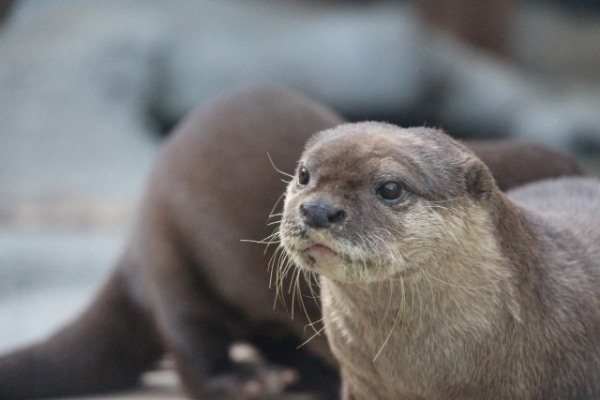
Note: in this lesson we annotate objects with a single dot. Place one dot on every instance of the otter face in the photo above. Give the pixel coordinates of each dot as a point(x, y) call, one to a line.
point(372, 202)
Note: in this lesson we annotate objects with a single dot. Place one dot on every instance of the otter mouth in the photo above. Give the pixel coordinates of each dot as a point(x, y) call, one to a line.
point(321, 248)
point(319, 254)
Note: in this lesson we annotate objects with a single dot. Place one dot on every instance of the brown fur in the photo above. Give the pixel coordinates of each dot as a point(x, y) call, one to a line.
point(528, 162)
point(447, 288)
point(186, 283)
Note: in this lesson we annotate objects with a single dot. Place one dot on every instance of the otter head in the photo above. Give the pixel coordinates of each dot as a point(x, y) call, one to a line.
point(372, 201)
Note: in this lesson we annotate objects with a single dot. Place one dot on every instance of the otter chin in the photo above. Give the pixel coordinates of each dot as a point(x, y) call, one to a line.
point(434, 283)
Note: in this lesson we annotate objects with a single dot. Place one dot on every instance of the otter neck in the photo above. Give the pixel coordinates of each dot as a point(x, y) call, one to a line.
point(419, 305)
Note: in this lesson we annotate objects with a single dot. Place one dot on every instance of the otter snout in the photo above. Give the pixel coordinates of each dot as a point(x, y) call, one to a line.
point(321, 215)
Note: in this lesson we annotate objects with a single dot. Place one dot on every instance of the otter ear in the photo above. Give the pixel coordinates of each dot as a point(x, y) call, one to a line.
point(480, 182)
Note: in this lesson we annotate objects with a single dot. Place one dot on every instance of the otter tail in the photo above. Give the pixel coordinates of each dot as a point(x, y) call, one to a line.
point(104, 349)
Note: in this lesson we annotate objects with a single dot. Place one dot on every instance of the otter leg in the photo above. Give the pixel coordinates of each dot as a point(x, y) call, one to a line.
point(200, 348)
point(199, 328)
point(194, 324)
point(199, 336)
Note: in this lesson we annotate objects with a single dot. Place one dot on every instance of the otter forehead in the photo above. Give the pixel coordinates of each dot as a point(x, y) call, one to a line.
point(427, 161)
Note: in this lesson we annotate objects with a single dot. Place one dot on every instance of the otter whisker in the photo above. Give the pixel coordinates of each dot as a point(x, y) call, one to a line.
point(266, 241)
point(317, 333)
point(273, 237)
point(301, 297)
point(389, 302)
point(401, 310)
point(433, 206)
point(313, 323)
point(291, 291)
point(254, 241)
point(276, 168)
point(272, 212)
point(283, 269)
point(312, 282)
point(272, 265)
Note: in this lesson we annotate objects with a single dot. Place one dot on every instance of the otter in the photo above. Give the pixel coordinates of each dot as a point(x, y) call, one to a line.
point(435, 284)
point(187, 283)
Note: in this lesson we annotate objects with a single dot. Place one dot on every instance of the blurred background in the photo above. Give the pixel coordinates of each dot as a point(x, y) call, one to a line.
point(89, 89)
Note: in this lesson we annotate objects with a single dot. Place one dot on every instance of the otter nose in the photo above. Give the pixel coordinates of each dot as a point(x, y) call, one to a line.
point(319, 215)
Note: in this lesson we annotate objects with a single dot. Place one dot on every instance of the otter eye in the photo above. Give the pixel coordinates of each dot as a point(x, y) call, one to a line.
point(303, 176)
point(389, 191)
